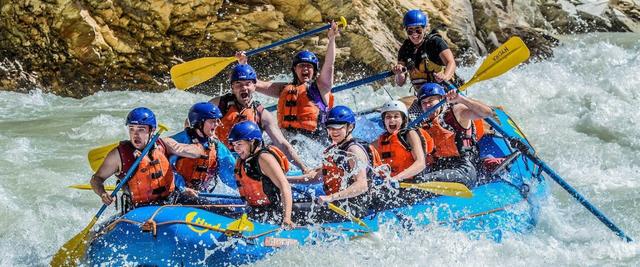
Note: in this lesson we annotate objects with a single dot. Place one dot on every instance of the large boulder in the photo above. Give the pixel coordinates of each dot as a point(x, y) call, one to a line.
point(77, 47)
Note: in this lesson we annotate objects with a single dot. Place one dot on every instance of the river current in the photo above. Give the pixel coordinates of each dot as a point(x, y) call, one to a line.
point(579, 110)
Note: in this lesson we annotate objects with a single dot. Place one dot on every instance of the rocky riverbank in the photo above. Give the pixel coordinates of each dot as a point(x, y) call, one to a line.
point(75, 48)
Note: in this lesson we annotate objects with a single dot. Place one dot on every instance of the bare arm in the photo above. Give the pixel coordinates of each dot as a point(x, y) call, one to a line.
point(450, 64)
point(193, 151)
point(271, 127)
point(360, 184)
point(110, 166)
point(312, 177)
point(470, 109)
point(270, 88)
point(418, 154)
point(325, 78)
point(271, 168)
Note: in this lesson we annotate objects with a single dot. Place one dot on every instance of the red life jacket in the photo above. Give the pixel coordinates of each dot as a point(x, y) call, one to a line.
point(451, 140)
point(336, 165)
point(153, 179)
point(232, 114)
point(255, 187)
point(300, 109)
point(395, 149)
point(198, 171)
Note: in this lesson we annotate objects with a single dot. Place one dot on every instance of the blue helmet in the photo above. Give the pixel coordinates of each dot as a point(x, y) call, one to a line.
point(431, 89)
point(414, 18)
point(203, 111)
point(307, 57)
point(142, 116)
point(340, 115)
point(243, 72)
point(246, 130)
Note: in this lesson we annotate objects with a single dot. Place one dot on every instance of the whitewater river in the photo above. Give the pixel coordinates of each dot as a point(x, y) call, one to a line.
point(580, 110)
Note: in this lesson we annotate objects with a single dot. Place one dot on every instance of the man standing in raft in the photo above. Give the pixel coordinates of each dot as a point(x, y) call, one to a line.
point(200, 174)
point(260, 175)
point(153, 181)
point(239, 106)
point(426, 56)
point(304, 103)
point(454, 134)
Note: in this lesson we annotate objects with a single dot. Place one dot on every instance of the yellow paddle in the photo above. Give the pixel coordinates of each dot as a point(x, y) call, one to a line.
point(442, 188)
point(347, 215)
point(504, 58)
point(96, 156)
point(88, 187)
point(242, 224)
point(72, 251)
point(194, 72)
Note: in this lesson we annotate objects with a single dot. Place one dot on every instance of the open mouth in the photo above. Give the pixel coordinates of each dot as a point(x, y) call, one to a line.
point(136, 142)
point(244, 96)
point(393, 127)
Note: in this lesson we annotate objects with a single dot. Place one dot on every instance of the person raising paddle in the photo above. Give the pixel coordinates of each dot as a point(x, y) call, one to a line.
point(239, 105)
point(304, 102)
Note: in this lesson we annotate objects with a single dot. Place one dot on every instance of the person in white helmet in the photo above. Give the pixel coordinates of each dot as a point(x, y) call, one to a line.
point(404, 150)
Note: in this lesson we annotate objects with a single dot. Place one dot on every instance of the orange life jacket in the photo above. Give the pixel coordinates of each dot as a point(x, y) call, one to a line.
point(255, 187)
point(153, 179)
point(451, 140)
point(232, 114)
point(301, 107)
point(336, 165)
point(198, 171)
point(395, 149)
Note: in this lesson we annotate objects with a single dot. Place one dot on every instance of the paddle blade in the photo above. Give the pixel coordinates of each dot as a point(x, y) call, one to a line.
point(194, 72)
point(504, 58)
point(345, 214)
point(343, 22)
point(72, 251)
point(243, 224)
point(96, 156)
point(442, 188)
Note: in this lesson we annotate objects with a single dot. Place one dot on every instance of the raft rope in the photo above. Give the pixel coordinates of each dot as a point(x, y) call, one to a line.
point(150, 225)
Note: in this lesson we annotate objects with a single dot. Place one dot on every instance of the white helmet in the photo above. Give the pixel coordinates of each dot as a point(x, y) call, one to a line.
point(395, 105)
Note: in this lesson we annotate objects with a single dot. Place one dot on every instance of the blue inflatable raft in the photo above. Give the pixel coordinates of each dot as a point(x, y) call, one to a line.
point(184, 235)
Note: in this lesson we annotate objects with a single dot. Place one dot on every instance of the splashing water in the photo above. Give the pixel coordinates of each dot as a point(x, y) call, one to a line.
point(578, 109)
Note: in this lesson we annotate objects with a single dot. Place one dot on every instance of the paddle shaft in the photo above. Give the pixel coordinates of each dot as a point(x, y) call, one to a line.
point(573, 192)
point(290, 39)
point(131, 170)
point(218, 195)
point(350, 85)
point(427, 113)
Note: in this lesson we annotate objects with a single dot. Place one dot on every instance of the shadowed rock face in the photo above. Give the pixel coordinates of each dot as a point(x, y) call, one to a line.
point(75, 48)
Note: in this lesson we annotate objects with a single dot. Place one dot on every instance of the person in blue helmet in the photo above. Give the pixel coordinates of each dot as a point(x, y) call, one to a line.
point(153, 181)
point(239, 105)
point(349, 167)
point(425, 55)
point(260, 175)
point(200, 174)
point(454, 129)
point(304, 102)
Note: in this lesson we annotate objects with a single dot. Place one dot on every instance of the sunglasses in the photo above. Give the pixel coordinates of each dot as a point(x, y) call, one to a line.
point(414, 30)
